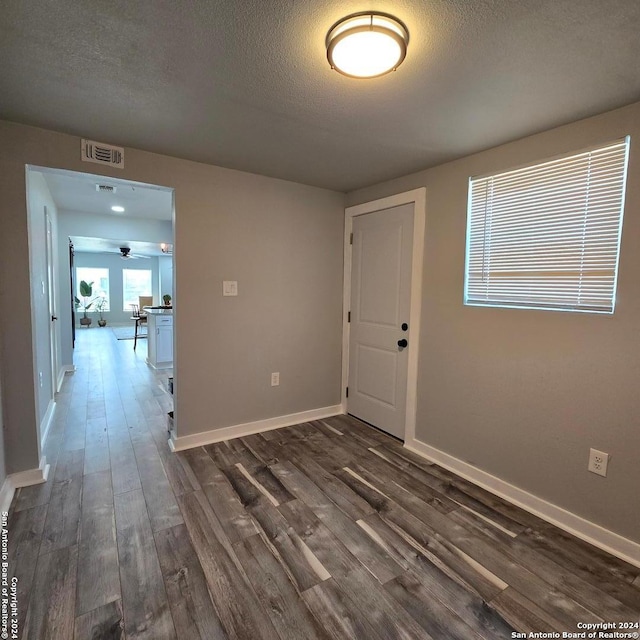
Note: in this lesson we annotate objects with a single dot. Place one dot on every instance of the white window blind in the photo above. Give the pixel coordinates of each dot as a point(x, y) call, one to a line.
point(548, 236)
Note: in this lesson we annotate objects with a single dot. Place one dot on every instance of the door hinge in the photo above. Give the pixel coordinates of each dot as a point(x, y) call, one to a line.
point(347, 395)
point(351, 239)
point(349, 316)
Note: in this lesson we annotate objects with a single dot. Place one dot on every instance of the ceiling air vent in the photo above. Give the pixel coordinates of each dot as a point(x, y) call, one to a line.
point(101, 153)
point(106, 188)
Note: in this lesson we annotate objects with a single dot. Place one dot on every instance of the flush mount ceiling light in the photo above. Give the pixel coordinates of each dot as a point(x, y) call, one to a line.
point(117, 209)
point(367, 44)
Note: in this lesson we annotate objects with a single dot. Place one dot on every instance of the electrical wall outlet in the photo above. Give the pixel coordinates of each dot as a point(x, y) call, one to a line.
point(275, 379)
point(40, 378)
point(598, 461)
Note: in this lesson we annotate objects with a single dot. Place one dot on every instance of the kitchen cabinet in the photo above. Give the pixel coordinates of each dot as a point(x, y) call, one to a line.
point(160, 327)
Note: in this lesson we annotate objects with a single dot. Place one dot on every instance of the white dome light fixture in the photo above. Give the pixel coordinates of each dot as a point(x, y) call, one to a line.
point(367, 44)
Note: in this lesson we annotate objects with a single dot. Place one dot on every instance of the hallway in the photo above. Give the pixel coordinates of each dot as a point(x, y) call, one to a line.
point(108, 453)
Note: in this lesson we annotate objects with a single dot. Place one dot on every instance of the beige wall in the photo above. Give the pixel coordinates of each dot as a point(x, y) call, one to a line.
point(281, 241)
point(523, 394)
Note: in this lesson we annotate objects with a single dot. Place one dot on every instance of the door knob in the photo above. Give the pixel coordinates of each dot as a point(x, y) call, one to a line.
point(54, 318)
point(402, 343)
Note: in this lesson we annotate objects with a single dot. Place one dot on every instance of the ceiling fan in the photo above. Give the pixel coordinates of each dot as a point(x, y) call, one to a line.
point(125, 254)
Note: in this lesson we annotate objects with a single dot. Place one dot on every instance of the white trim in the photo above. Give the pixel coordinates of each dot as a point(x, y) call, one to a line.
point(417, 197)
point(6, 495)
point(64, 369)
point(46, 423)
point(590, 532)
point(61, 374)
point(180, 443)
point(162, 366)
point(22, 479)
point(31, 476)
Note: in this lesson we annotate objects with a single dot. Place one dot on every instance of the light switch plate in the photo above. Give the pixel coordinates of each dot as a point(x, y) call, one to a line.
point(230, 288)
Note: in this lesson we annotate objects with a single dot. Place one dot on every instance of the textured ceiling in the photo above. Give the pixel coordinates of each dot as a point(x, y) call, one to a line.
point(245, 84)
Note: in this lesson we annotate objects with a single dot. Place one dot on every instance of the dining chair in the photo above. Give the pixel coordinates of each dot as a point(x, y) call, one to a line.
point(140, 319)
point(145, 301)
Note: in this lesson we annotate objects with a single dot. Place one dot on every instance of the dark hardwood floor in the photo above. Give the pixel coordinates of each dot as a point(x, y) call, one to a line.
point(328, 529)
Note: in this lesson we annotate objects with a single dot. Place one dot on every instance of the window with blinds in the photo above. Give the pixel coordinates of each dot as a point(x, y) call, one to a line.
point(548, 236)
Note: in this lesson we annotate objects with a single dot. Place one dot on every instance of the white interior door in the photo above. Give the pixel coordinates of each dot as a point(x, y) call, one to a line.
point(51, 295)
point(380, 308)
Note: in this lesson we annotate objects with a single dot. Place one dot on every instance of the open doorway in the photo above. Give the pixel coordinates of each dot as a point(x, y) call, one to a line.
point(116, 236)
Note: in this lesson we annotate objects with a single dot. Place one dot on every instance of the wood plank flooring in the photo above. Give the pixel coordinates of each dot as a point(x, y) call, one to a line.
point(328, 529)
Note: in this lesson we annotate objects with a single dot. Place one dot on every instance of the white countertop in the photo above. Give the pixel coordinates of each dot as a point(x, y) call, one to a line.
point(157, 311)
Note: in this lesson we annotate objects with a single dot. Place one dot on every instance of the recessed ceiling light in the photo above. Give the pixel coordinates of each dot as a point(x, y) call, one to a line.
point(367, 44)
point(117, 209)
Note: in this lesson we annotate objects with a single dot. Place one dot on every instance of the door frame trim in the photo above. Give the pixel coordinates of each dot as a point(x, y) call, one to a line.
point(417, 197)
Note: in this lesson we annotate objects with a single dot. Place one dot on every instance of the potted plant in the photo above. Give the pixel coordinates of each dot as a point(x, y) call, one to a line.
point(86, 291)
point(100, 305)
point(166, 298)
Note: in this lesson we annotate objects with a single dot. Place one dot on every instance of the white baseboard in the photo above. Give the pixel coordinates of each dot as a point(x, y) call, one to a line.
point(31, 476)
point(6, 495)
point(64, 369)
point(586, 530)
point(22, 479)
point(239, 430)
point(158, 367)
point(46, 423)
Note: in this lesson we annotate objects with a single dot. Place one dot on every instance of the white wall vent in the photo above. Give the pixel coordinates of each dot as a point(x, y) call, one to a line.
point(106, 188)
point(101, 153)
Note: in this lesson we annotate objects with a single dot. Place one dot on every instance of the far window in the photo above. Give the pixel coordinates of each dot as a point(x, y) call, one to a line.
point(547, 236)
point(98, 278)
point(135, 283)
